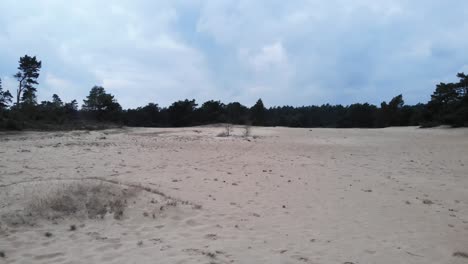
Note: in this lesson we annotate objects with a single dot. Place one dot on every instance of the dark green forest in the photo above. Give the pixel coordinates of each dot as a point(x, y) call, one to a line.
point(100, 109)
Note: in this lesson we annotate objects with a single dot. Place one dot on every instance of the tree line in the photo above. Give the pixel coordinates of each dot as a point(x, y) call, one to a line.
point(448, 105)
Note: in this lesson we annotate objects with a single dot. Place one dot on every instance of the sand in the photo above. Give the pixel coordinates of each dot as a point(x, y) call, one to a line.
point(281, 195)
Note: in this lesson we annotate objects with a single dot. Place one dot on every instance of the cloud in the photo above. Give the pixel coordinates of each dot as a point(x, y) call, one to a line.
point(286, 52)
point(270, 56)
point(268, 73)
point(133, 52)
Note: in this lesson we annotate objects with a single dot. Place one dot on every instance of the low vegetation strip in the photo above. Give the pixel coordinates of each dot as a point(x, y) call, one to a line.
point(91, 198)
point(100, 109)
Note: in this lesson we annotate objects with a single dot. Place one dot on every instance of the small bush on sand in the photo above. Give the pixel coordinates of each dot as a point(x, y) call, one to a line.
point(87, 199)
point(227, 131)
point(247, 131)
point(83, 199)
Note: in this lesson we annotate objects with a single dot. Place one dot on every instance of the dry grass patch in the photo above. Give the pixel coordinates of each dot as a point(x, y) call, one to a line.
point(87, 198)
point(30, 202)
point(79, 199)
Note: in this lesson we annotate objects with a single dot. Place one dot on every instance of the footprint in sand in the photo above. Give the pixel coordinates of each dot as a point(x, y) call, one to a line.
point(192, 223)
point(211, 236)
point(301, 258)
point(49, 256)
point(114, 246)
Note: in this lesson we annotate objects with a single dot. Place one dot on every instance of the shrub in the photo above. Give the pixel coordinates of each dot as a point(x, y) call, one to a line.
point(89, 199)
point(227, 131)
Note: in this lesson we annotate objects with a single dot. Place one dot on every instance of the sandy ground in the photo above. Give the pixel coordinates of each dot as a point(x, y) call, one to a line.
point(283, 195)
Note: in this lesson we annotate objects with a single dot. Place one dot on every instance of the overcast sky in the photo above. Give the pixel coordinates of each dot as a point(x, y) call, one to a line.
point(299, 52)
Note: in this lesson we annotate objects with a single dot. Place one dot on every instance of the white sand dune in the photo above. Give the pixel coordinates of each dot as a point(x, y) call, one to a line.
point(283, 195)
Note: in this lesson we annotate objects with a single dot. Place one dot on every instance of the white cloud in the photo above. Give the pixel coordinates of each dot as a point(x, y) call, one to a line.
point(270, 56)
point(129, 48)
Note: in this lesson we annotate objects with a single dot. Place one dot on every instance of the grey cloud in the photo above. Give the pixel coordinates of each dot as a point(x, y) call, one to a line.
point(287, 52)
